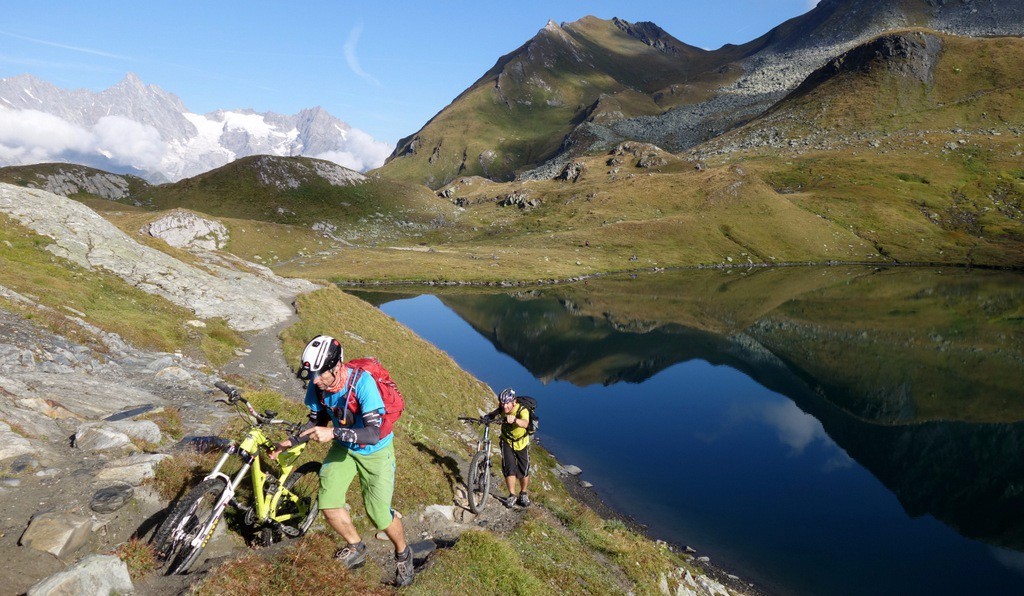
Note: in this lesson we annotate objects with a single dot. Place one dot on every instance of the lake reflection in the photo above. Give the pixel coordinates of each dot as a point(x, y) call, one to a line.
point(807, 426)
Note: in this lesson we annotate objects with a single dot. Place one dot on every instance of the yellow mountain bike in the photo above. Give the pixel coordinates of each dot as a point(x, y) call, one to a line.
point(283, 505)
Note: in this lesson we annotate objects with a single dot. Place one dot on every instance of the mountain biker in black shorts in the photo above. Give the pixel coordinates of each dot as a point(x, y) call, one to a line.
point(515, 446)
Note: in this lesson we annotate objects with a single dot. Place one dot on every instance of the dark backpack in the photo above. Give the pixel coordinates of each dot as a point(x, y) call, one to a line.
point(531, 405)
point(394, 403)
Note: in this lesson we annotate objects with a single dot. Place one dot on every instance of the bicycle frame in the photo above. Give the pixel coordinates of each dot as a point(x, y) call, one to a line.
point(264, 501)
point(484, 444)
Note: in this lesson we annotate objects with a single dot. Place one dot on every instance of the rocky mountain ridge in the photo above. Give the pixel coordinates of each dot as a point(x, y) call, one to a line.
point(143, 130)
point(676, 104)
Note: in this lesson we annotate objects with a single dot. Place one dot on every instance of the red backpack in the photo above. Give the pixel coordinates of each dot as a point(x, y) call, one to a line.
point(394, 403)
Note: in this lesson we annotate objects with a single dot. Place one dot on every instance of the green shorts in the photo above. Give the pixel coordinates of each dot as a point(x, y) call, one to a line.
point(376, 478)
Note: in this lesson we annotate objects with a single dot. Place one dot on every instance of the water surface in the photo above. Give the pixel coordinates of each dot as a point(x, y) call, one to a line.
point(818, 431)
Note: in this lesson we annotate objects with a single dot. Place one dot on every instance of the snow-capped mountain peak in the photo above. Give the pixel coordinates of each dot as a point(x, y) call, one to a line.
point(142, 129)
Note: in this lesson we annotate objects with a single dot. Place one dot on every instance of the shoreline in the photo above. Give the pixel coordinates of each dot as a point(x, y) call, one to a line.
point(721, 266)
point(727, 576)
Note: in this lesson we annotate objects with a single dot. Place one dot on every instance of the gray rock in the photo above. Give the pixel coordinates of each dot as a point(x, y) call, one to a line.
point(572, 470)
point(59, 534)
point(144, 430)
point(96, 437)
point(95, 574)
point(174, 374)
point(132, 470)
point(111, 498)
point(160, 363)
point(184, 229)
point(442, 512)
point(12, 444)
point(586, 484)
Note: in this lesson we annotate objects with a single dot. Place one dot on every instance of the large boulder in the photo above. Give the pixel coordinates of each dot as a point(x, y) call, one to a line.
point(184, 229)
point(59, 534)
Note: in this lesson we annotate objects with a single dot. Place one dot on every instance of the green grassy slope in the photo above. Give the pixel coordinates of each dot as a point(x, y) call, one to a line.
point(287, 190)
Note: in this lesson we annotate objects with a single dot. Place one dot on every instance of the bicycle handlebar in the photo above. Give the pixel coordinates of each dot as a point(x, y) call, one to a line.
point(477, 420)
point(229, 390)
point(235, 396)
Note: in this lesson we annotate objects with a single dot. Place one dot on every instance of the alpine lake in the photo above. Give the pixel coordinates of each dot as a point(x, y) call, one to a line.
point(814, 430)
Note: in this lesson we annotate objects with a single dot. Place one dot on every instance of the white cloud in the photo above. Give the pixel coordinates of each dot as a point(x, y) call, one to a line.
point(350, 54)
point(359, 152)
point(36, 131)
point(31, 136)
point(812, 3)
point(129, 142)
point(795, 428)
point(65, 46)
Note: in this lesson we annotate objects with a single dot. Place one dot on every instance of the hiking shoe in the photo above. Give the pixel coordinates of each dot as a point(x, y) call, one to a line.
point(524, 500)
point(352, 556)
point(404, 571)
point(508, 501)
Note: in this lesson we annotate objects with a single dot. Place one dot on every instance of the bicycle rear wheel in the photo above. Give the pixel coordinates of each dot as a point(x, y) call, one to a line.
point(194, 512)
point(479, 484)
point(304, 484)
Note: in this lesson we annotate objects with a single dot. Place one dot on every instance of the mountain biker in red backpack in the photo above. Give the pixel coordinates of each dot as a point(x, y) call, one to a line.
point(353, 424)
point(515, 446)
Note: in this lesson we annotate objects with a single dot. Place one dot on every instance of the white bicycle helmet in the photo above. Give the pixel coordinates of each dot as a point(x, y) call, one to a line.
point(321, 354)
point(507, 395)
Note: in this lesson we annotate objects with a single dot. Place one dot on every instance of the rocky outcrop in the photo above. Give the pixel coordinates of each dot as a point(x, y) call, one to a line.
point(293, 173)
point(184, 229)
point(911, 55)
point(248, 298)
point(71, 180)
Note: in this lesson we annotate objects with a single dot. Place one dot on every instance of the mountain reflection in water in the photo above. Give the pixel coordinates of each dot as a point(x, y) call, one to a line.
point(916, 374)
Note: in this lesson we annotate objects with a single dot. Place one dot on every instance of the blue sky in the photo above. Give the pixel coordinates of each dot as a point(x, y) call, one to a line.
point(382, 67)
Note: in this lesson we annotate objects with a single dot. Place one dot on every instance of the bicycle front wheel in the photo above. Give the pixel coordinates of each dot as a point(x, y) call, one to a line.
point(479, 484)
point(297, 509)
point(184, 534)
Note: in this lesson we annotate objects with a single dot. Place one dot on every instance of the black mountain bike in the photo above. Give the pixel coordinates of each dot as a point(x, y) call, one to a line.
point(478, 485)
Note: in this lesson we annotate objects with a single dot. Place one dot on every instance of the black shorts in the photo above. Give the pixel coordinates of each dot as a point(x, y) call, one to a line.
point(515, 463)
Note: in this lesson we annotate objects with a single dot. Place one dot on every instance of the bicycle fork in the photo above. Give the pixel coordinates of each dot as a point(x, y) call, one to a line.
point(230, 486)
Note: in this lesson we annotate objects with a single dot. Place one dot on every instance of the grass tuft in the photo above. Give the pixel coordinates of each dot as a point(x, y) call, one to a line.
point(139, 556)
